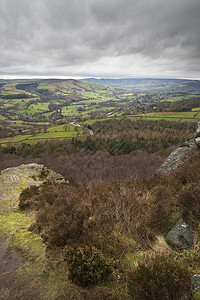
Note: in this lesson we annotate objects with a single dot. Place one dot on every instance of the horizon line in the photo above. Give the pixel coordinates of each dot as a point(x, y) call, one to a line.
point(42, 77)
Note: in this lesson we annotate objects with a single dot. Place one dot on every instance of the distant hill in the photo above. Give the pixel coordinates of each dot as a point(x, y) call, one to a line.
point(55, 99)
point(150, 84)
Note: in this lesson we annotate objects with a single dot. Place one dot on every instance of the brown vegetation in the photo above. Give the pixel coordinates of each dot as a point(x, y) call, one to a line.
point(173, 281)
point(118, 218)
point(104, 214)
point(119, 149)
point(141, 208)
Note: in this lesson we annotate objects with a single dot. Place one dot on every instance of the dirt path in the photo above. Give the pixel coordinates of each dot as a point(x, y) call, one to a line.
point(15, 285)
point(12, 285)
point(14, 230)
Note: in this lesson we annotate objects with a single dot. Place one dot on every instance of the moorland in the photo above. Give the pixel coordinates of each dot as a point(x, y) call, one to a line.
point(101, 234)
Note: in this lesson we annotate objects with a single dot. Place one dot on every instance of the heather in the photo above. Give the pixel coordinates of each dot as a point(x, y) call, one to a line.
point(105, 227)
point(120, 226)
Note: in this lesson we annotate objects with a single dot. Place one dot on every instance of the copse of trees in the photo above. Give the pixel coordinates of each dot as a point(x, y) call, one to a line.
point(125, 144)
point(15, 96)
point(176, 106)
point(5, 132)
point(121, 125)
point(134, 149)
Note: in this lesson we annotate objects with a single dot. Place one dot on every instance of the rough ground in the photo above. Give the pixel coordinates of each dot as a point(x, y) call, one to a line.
point(14, 180)
point(13, 284)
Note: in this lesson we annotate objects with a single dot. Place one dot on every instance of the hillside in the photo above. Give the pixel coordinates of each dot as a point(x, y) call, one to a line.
point(149, 84)
point(105, 224)
point(98, 203)
point(35, 110)
point(51, 100)
point(55, 100)
point(103, 240)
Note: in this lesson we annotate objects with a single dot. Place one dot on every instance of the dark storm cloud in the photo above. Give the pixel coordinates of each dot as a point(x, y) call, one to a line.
point(100, 37)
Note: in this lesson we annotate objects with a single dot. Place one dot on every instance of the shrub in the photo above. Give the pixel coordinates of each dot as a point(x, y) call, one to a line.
point(62, 222)
point(61, 213)
point(87, 266)
point(26, 197)
point(189, 203)
point(160, 277)
point(98, 293)
point(191, 257)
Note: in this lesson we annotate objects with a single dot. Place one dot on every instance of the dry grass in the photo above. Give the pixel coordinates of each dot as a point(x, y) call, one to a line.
point(123, 217)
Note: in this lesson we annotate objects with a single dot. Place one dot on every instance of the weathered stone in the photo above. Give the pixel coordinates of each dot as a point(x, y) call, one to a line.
point(191, 143)
point(197, 142)
point(196, 283)
point(181, 236)
point(175, 159)
point(14, 180)
point(178, 156)
point(197, 133)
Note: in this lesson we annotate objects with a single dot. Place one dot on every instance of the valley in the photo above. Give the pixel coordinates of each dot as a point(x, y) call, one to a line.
point(32, 110)
point(82, 199)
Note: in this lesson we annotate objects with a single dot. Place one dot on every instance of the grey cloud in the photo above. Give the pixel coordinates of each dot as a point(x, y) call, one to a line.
point(65, 35)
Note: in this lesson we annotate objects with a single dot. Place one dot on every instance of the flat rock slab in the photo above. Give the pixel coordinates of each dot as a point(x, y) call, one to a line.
point(10, 259)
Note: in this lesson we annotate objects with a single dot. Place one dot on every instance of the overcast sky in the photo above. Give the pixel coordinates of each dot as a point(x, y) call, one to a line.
point(100, 38)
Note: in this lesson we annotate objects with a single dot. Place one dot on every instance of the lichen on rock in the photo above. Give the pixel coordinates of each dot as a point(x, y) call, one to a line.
point(14, 180)
point(181, 236)
point(177, 157)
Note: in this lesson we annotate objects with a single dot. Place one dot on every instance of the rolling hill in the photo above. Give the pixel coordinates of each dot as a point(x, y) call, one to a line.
point(149, 84)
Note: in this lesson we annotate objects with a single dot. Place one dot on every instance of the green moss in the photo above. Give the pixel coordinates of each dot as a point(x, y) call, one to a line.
point(21, 187)
point(7, 202)
point(35, 178)
point(197, 295)
point(191, 258)
point(58, 285)
point(16, 225)
point(132, 259)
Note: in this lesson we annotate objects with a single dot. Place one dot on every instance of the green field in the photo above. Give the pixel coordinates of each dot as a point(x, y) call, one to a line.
point(168, 116)
point(57, 135)
point(178, 98)
point(56, 132)
point(172, 116)
point(69, 131)
point(15, 139)
point(55, 101)
point(72, 98)
point(196, 109)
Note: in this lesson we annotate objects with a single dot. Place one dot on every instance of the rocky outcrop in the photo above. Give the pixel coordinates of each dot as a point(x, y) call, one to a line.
point(177, 157)
point(196, 283)
point(181, 236)
point(14, 180)
point(197, 133)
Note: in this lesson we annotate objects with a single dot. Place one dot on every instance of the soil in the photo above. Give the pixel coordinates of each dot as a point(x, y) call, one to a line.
point(14, 286)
